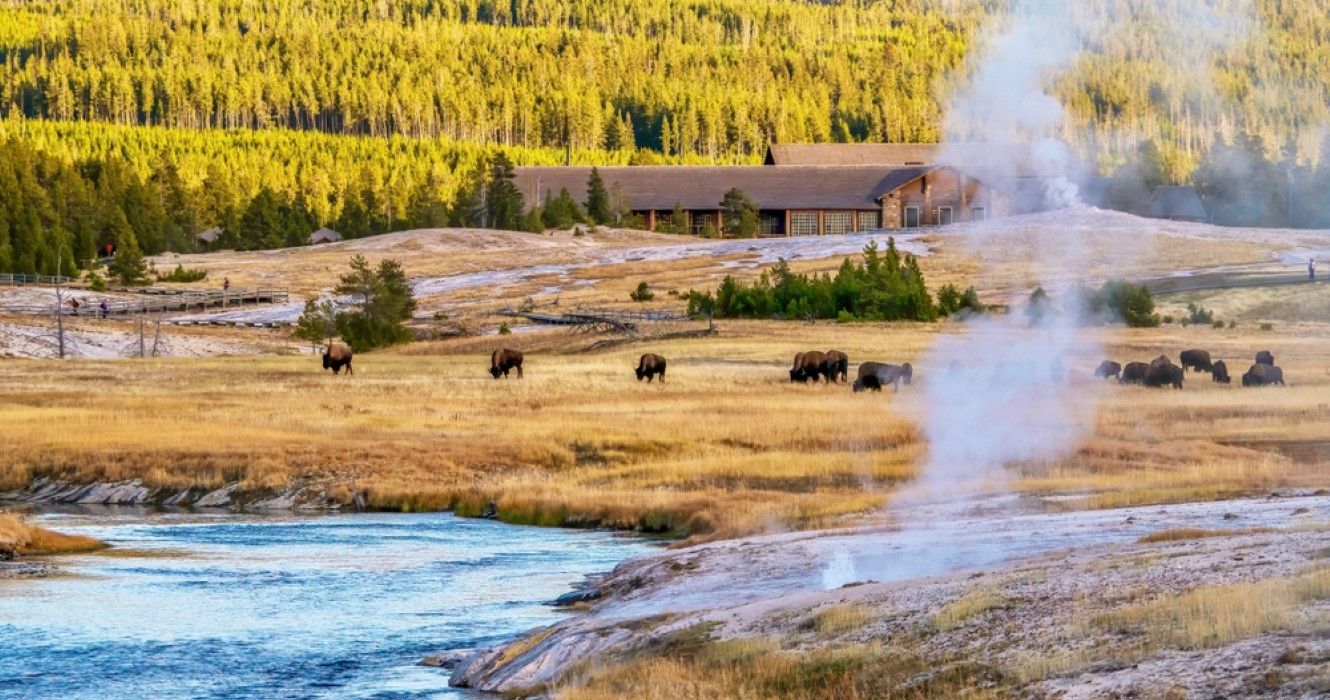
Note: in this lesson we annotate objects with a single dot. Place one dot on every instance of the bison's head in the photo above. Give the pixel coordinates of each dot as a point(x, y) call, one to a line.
point(796, 375)
point(907, 371)
point(327, 361)
point(494, 371)
point(858, 385)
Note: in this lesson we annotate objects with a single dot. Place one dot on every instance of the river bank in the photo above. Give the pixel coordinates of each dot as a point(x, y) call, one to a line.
point(1079, 603)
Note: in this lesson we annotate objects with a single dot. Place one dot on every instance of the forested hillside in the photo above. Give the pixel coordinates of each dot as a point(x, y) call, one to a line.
point(359, 112)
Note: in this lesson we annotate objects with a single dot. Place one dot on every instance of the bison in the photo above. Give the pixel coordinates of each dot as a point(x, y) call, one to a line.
point(649, 366)
point(1133, 373)
point(1219, 372)
point(336, 356)
point(807, 365)
point(1108, 368)
point(836, 365)
point(1262, 374)
point(874, 375)
point(502, 361)
point(1164, 375)
point(1198, 360)
point(1265, 358)
point(1161, 361)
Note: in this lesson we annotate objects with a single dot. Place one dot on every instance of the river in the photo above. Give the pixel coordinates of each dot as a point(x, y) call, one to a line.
point(229, 606)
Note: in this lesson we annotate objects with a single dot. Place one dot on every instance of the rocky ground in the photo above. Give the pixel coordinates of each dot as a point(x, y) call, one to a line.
point(992, 582)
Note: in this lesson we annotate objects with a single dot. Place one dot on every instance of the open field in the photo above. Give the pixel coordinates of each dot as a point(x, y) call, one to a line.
point(726, 446)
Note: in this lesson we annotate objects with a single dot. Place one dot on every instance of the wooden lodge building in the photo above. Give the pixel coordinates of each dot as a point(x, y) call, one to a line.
point(792, 200)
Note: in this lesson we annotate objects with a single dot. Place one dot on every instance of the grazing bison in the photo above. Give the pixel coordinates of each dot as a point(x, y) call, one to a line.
point(807, 365)
point(1133, 373)
point(1164, 375)
point(336, 356)
point(1263, 375)
point(1198, 360)
point(1108, 368)
point(836, 364)
point(649, 366)
point(1265, 358)
point(502, 361)
point(1161, 361)
point(875, 375)
point(1219, 372)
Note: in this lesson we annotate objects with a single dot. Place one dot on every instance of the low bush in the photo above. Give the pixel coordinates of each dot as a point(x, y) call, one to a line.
point(642, 293)
point(183, 274)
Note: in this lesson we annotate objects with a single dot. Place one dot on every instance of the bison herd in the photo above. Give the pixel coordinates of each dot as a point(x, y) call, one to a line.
point(833, 366)
point(1162, 372)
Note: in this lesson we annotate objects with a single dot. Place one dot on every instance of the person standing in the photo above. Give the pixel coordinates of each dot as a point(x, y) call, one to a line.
point(1311, 269)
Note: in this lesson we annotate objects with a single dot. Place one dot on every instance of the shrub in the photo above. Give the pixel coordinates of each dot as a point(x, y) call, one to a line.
point(96, 282)
point(709, 230)
point(1267, 326)
point(504, 329)
point(181, 274)
point(1199, 315)
point(883, 286)
point(1217, 324)
point(642, 293)
point(1168, 319)
point(1120, 300)
point(951, 300)
point(1232, 325)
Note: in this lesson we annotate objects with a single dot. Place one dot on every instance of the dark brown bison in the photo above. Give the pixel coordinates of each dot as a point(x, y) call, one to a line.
point(1161, 361)
point(1262, 374)
point(1219, 372)
point(836, 365)
point(1164, 375)
point(502, 361)
point(875, 375)
point(1108, 368)
point(807, 365)
point(1198, 360)
point(1133, 373)
point(1265, 358)
point(649, 366)
point(336, 356)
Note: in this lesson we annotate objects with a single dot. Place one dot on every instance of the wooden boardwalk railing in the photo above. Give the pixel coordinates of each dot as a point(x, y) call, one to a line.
point(157, 302)
point(10, 279)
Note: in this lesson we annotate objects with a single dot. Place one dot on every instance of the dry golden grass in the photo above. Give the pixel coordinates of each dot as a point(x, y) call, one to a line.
point(692, 667)
point(726, 446)
point(968, 606)
point(23, 538)
point(1196, 533)
point(840, 618)
point(1212, 616)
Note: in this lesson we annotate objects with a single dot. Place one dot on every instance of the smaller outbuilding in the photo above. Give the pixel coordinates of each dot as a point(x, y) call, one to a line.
point(324, 235)
point(205, 240)
point(1178, 203)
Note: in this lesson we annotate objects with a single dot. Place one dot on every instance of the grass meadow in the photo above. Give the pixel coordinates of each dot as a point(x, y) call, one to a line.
point(725, 447)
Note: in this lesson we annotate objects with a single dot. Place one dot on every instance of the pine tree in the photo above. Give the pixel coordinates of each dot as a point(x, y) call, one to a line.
point(503, 201)
point(597, 199)
point(128, 267)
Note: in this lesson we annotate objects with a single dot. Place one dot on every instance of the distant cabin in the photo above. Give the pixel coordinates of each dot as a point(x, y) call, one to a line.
point(1178, 203)
point(324, 235)
point(204, 240)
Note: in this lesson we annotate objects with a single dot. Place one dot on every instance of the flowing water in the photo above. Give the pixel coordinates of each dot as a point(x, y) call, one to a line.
point(230, 606)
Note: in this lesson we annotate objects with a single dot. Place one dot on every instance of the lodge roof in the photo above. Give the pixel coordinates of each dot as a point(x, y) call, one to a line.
point(702, 187)
point(896, 154)
point(1177, 202)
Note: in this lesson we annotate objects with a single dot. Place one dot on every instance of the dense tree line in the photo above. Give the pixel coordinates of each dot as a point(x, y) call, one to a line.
point(883, 286)
point(715, 78)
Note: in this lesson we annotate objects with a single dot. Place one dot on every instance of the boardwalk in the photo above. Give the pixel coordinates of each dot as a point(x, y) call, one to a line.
point(154, 301)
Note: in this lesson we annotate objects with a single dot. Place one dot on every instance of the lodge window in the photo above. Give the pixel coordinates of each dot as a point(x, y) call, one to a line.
point(697, 222)
point(979, 213)
point(870, 220)
point(803, 223)
point(834, 222)
point(771, 223)
point(911, 217)
point(943, 216)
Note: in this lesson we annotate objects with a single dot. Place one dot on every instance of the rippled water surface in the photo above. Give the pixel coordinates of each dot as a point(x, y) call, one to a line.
point(237, 607)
